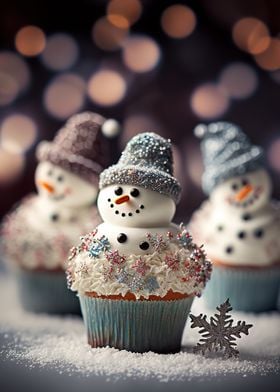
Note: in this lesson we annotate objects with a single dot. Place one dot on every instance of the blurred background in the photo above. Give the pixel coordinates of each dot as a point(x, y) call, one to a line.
point(154, 65)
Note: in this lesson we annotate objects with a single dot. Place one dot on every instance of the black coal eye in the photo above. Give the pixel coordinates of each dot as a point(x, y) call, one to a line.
point(244, 182)
point(49, 173)
point(60, 178)
point(118, 191)
point(234, 187)
point(135, 192)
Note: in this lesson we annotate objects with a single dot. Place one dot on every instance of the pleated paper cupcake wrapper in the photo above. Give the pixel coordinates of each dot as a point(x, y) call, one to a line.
point(254, 290)
point(137, 326)
point(46, 292)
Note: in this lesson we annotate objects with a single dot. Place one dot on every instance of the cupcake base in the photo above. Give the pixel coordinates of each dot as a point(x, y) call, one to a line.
point(46, 292)
point(138, 326)
point(248, 289)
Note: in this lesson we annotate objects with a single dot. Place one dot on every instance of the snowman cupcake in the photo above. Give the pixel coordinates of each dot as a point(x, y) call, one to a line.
point(239, 224)
point(137, 273)
point(37, 235)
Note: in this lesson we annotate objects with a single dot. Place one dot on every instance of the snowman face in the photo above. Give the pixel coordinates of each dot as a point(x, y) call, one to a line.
point(248, 192)
point(134, 206)
point(62, 187)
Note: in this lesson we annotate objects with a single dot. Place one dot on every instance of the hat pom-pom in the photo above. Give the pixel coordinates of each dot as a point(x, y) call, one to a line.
point(111, 128)
point(200, 130)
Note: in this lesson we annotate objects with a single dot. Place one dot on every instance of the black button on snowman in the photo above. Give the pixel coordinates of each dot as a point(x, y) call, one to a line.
point(138, 194)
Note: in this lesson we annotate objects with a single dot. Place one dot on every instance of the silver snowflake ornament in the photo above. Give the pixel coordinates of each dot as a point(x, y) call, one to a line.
point(219, 334)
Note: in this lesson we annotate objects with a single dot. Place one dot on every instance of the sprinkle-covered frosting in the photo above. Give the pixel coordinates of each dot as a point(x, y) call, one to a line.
point(44, 246)
point(176, 264)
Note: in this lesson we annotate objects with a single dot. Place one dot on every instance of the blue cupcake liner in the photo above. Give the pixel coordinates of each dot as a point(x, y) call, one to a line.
point(254, 290)
point(46, 292)
point(137, 326)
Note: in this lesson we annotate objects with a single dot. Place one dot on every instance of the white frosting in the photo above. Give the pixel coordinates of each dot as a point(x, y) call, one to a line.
point(147, 209)
point(219, 223)
point(137, 249)
point(30, 238)
point(169, 267)
point(63, 188)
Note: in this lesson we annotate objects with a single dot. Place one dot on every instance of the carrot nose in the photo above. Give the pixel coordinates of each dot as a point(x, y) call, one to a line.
point(122, 199)
point(46, 186)
point(244, 191)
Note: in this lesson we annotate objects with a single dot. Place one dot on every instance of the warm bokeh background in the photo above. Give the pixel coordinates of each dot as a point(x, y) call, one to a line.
point(153, 65)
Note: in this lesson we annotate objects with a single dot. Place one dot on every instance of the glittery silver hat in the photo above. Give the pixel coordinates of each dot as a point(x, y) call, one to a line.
point(227, 152)
point(147, 161)
point(78, 147)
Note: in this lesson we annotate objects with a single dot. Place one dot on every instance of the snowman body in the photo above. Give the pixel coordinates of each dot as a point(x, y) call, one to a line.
point(131, 214)
point(239, 225)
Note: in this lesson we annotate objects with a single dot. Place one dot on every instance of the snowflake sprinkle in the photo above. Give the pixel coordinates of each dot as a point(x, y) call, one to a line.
point(151, 284)
point(157, 242)
point(184, 237)
point(219, 333)
point(98, 246)
point(114, 257)
point(140, 266)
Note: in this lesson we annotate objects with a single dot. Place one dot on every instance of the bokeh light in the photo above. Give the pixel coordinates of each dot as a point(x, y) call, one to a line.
point(14, 77)
point(107, 87)
point(11, 166)
point(275, 75)
point(137, 123)
point(251, 35)
point(30, 41)
point(108, 36)
point(65, 95)
point(141, 53)
point(209, 101)
point(178, 21)
point(270, 58)
point(274, 155)
point(17, 133)
point(61, 52)
point(239, 80)
point(124, 13)
point(194, 164)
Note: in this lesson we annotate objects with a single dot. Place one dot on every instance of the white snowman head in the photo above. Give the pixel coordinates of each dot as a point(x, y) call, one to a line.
point(248, 192)
point(63, 188)
point(135, 206)
point(140, 190)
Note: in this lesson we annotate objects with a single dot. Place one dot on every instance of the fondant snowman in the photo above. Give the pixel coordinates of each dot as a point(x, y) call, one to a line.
point(67, 182)
point(138, 195)
point(239, 224)
point(67, 174)
point(37, 235)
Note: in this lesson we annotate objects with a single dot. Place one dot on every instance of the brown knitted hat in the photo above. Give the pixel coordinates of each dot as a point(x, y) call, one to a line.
point(79, 147)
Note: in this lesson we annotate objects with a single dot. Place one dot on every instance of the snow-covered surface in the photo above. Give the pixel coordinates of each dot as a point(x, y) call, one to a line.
point(60, 343)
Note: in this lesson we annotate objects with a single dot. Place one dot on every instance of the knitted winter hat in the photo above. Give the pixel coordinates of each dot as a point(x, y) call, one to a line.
point(227, 152)
point(78, 147)
point(147, 161)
